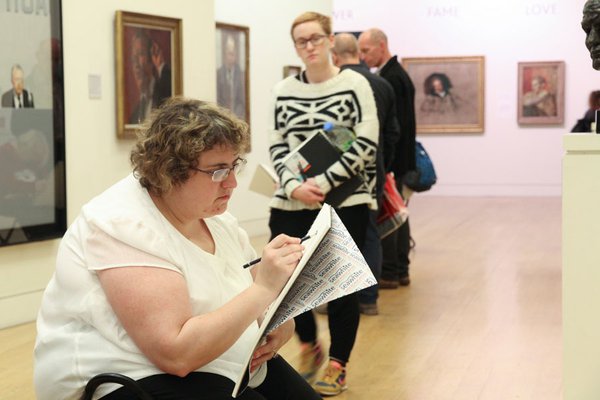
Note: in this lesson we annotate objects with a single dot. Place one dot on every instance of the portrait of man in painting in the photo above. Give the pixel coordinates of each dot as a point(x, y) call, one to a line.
point(448, 93)
point(147, 65)
point(232, 78)
point(439, 96)
point(541, 92)
point(539, 99)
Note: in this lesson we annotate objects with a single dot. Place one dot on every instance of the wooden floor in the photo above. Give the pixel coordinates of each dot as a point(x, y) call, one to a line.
point(481, 320)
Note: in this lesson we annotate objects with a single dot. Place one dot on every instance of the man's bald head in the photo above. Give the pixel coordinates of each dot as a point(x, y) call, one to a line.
point(345, 49)
point(373, 45)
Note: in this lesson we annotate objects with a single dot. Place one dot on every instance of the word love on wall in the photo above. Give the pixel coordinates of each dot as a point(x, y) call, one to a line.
point(538, 9)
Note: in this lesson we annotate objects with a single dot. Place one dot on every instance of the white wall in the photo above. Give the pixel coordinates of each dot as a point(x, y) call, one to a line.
point(271, 48)
point(95, 158)
point(507, 159)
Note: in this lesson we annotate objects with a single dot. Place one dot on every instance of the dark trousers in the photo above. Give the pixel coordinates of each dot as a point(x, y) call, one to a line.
point(343, 313)
point(396, 247)
point(281, 383)
point(373, 255)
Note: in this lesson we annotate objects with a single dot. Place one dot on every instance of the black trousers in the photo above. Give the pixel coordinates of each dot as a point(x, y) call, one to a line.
point(343, 313)
point(282, 383)
point(395, 254)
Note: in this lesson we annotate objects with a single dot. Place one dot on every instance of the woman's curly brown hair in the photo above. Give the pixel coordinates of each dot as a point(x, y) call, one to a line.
point(173, 138)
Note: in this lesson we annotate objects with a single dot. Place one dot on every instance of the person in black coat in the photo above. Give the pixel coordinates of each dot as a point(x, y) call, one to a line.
point(585, 124)
point(374, 52)
point(345, 55)
point(17, 97)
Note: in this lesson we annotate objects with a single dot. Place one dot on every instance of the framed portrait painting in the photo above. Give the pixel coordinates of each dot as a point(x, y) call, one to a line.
point(449, 93)
point(541, 93)
point(148, 56)
point(32, 134)
point(291, 70)
point(233, 69)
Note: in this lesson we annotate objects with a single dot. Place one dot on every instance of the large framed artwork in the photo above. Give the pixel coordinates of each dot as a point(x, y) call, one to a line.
point(233, 69)
point(541, 93)
point(449, 93)
point(148, 57)
point(32, 137)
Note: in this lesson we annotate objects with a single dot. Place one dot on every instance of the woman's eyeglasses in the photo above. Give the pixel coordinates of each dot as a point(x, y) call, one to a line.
point(219, 175)
point(315, 40)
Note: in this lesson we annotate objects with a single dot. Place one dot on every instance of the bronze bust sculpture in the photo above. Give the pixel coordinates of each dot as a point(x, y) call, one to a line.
point(591, 25)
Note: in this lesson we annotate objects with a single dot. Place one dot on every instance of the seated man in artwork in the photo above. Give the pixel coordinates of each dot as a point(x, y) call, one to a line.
point(17, 97)
point(231, 89)
point(539, 102)
point(143, 76)
point(162, 84)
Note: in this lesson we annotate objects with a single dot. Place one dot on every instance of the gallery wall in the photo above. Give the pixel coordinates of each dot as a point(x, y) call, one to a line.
point(95, 158)
point(506, 159)
point(271, 48)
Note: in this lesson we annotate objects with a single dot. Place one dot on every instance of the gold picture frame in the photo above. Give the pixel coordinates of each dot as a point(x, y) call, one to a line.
point(148, 64)
point(233, 68)
point(541, 93)
point(449, 93)
point(291, 70)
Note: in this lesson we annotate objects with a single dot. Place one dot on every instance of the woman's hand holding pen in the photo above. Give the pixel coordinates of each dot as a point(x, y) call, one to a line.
point(279, 259)
point(309, 192)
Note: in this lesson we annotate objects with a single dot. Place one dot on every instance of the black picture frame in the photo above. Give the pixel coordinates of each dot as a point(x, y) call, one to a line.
point(32, 129)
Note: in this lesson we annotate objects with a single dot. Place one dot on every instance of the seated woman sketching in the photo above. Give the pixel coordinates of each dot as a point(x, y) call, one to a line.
point(149, 280)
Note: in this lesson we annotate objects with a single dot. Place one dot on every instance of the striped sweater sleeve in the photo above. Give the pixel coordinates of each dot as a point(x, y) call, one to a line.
point(279, 148)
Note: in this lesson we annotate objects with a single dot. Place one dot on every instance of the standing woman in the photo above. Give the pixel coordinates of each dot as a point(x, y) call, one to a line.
point(302, 104)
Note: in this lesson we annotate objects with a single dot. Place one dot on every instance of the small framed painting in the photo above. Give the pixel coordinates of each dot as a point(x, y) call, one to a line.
point(449, 93)
point(233, 69)
point(541, 93)
point(148, 54)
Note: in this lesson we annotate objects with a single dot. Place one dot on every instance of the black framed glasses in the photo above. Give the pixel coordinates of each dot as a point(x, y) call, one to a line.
point(219, 175)
point(315, 40)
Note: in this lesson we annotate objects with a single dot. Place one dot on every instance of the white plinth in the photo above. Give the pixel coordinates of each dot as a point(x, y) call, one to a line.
point(581, 266)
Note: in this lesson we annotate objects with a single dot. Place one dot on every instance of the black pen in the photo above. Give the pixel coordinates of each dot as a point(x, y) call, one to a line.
point(251, 263)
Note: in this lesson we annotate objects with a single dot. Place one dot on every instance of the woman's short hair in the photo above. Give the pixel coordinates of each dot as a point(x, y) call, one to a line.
point(176, 134)
point(310, 16)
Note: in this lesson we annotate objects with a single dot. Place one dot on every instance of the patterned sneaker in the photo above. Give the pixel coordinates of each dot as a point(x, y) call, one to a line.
point(333, 381)
point(311, 359)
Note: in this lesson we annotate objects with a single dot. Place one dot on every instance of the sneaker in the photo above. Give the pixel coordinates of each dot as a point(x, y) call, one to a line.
point(386, 284)
point(311, 359)
point(333, 381)
point(369, 309)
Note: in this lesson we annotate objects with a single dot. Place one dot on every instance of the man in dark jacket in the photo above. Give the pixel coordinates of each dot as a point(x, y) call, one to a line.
point(17, 97)
point(345, 55)
point(374, 52)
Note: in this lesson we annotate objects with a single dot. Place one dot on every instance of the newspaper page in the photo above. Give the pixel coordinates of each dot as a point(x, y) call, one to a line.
point(335, 269)
point(332, 266)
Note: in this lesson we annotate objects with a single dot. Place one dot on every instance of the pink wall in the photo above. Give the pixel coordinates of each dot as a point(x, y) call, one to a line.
point(506, 159)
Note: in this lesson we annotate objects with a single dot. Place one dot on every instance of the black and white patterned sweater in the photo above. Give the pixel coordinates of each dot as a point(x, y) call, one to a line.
point(300, 109)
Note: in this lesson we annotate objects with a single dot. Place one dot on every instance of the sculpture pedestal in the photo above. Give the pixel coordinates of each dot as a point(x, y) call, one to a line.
point(581, 266)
